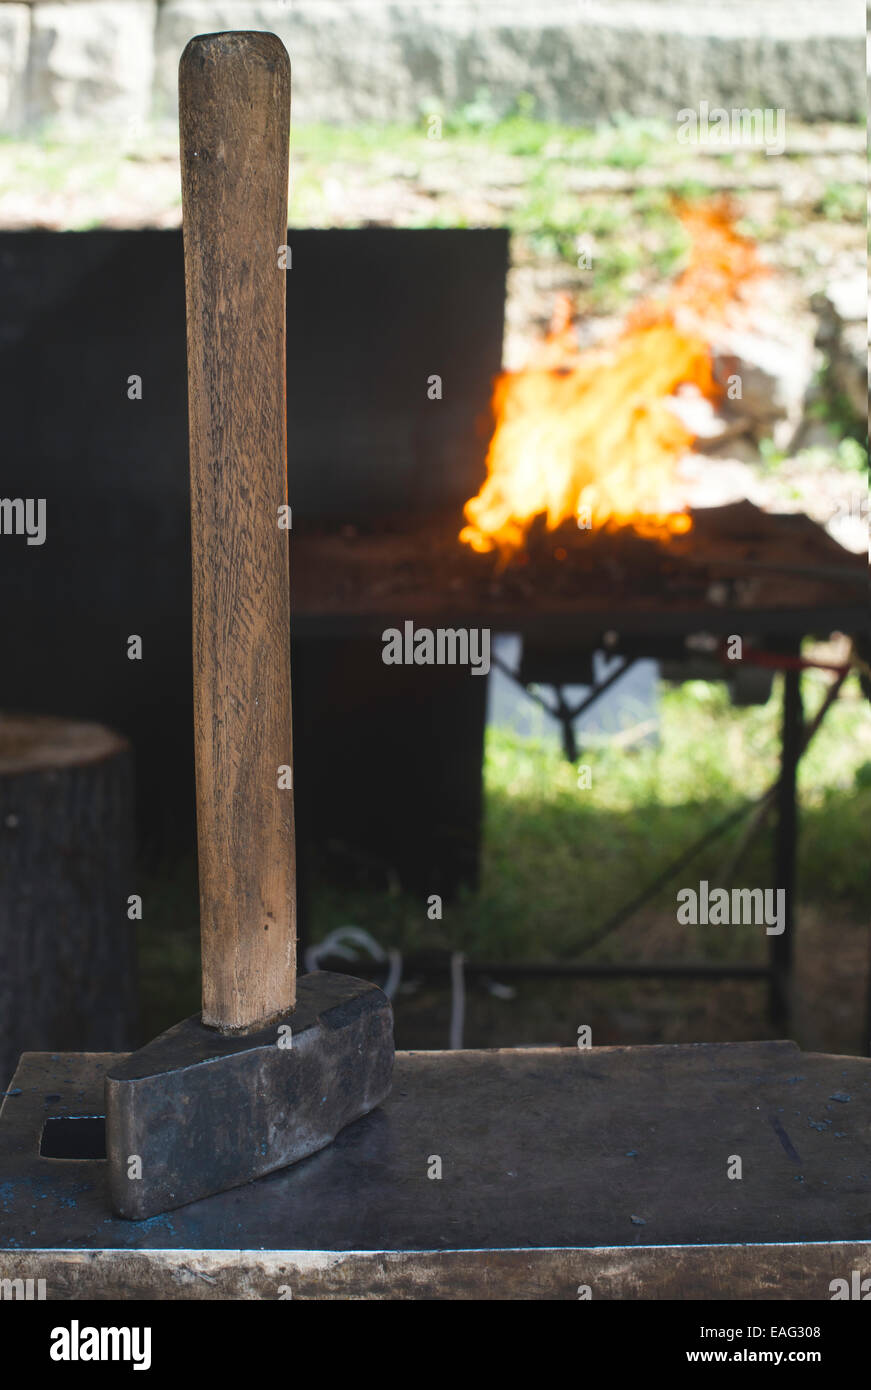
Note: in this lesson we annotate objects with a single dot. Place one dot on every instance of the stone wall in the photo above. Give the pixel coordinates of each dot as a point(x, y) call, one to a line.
point(85, 66)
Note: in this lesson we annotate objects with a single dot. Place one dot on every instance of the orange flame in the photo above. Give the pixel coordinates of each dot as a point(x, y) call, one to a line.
point(589, 434)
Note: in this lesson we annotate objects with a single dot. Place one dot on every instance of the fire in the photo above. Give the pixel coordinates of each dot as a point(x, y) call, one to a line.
point(589, 434)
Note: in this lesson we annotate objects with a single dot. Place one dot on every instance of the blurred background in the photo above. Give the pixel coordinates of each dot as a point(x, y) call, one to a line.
point(475, 191)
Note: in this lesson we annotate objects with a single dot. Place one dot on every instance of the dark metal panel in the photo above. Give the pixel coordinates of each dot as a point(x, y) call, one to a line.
point(387, 768)
point(371, 314)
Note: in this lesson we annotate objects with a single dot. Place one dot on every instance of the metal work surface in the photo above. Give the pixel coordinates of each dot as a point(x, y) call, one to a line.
point(559, 1167)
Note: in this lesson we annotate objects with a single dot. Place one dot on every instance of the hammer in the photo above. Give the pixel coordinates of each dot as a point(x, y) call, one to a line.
point(273, 1068)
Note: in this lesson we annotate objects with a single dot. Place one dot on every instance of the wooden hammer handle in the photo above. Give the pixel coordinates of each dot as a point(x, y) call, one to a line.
point(234, 99)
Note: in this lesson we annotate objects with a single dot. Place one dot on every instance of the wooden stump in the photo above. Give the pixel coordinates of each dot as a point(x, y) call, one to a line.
point(67, 947)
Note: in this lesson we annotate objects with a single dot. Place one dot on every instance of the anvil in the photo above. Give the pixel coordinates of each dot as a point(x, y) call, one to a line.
point(555, 1173)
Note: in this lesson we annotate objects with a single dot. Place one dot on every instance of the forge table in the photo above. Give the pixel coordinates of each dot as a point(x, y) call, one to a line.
point(739, 569)
point(773, 579)
point(564, 1174)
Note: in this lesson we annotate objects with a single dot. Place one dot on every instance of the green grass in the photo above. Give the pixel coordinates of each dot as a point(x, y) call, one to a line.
point(558, 860)
point(848, 429)
point(843, 202)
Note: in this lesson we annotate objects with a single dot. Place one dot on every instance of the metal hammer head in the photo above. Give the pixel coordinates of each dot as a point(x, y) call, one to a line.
point(197, 1111)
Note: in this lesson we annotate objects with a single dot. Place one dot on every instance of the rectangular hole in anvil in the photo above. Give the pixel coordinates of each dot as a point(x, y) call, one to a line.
point(74, 1136)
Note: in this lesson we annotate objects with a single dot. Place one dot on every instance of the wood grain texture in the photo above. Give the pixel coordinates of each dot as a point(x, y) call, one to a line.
point(234, 99)
point(688, 1273)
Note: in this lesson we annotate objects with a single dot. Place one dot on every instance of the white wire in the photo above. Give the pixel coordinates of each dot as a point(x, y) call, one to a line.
point(334, 945)
point(342, 941)
point(394, 974)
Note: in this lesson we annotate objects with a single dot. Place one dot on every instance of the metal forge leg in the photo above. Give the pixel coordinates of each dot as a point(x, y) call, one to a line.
point(786, 837)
